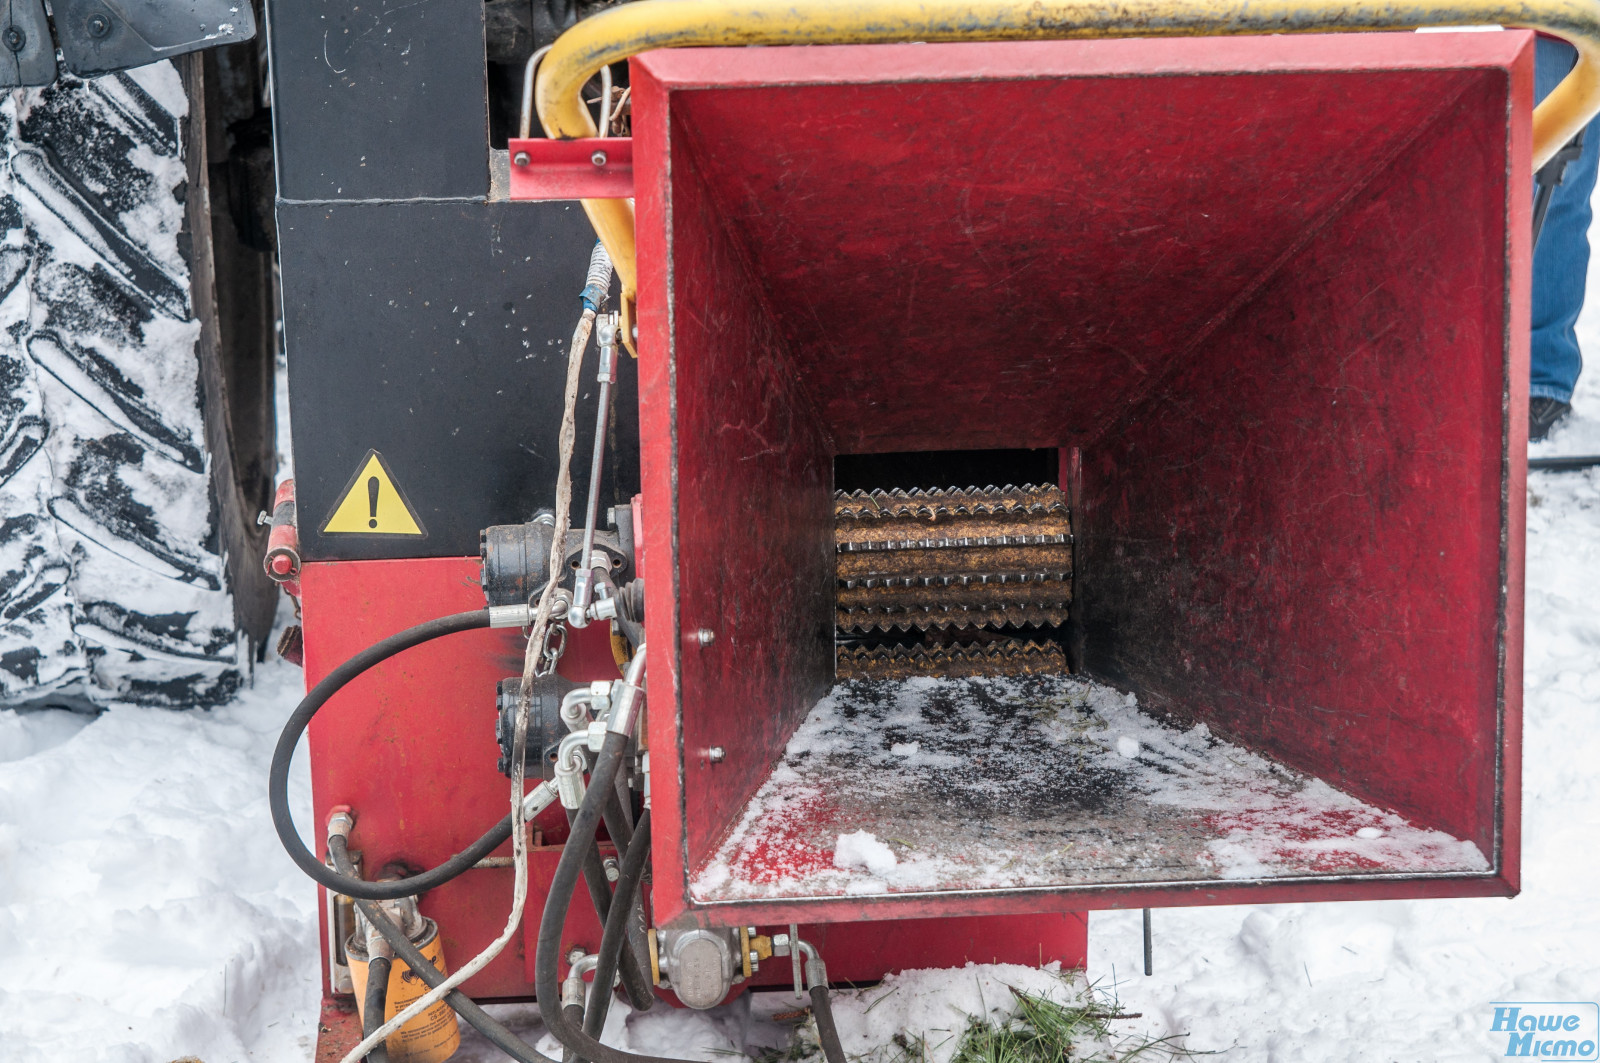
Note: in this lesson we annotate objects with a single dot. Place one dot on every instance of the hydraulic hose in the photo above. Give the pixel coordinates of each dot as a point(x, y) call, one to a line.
point(640, 993)
point(476, 1017)
point(574, 1014)
point(614, 939)
point(278, 774)
point(827, 1031)
point(373, 1006)
point(562, 885)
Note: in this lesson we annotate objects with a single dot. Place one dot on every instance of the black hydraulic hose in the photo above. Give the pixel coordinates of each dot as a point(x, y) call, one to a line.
point(476, 1017)
point(617, 823)
point(278, 774)
point(827, 1032)
point(562, 886)
point(574, 1014)
point(374, 1004)
point(640, 993)
point(614, 939)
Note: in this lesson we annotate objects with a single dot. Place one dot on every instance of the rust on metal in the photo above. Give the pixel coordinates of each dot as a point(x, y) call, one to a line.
point(1007, 657)
point(962, 558)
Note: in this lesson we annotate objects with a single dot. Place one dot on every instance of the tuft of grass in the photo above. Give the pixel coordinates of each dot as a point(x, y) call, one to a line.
point(1041, 1031)
point(1046, 1031)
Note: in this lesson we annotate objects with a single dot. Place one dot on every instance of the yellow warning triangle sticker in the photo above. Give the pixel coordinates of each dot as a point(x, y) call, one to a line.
point(372, 505)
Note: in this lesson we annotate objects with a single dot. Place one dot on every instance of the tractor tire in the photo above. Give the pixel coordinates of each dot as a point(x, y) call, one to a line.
point(136, 399)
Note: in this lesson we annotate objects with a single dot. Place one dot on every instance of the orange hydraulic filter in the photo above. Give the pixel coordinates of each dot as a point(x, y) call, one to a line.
point(431, 1037)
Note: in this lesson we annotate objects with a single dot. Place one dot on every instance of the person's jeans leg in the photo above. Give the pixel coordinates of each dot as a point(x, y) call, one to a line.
point(1561, 259)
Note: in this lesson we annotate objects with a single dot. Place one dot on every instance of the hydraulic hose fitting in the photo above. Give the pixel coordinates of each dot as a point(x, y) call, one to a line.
point(626, 696)
point(597, 285)
point(816, 970)
point(580, 705)
point(572, 762)
point(341, 821)
point(572, 985)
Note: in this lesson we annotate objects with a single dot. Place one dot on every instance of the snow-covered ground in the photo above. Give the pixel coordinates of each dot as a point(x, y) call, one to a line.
point(147, 912)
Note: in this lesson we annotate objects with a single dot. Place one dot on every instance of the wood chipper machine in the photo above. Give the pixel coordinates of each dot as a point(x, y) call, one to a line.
point(1001, 460)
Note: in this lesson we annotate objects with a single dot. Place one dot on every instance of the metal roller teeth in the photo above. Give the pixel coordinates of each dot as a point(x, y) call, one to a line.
point(955, 501)
point(1008, 657)
point(992, 518)
point(863, 621)
point(962, 558)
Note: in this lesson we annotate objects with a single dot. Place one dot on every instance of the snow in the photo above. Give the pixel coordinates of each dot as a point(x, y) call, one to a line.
point(1073, 786)
point(146, 909)
point(862, 849)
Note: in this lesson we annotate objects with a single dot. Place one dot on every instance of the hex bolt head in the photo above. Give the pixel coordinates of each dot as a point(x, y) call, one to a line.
point(14, 38)
point(598, 158)
point(521, 158)
point(717, 754)
point(98, 26)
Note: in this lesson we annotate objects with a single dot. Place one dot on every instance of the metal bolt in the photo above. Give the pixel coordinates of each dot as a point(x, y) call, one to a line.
point(717, 754)
point(99, 26)
point(705, 636)
point(755, 961)
point(263, 518)
point(598, 158)
point(521, 158)
point(612, 871)
point(14, 38)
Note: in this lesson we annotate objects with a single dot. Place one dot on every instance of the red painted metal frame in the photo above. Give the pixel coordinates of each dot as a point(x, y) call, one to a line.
point(1275, 290)
point(565, 169)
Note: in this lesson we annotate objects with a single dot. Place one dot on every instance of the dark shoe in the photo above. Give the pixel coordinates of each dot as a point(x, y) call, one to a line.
point(1543, 415)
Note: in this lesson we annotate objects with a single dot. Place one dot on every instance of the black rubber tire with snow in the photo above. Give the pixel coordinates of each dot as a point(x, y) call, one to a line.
point(133, 457)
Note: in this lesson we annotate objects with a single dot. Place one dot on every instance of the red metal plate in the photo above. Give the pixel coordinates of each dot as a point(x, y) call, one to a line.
point(596, 168)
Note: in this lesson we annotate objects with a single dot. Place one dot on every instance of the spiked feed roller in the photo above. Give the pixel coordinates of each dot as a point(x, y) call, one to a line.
point(960, 563)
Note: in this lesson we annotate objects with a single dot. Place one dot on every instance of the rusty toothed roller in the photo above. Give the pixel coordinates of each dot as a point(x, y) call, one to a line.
point(956, 561)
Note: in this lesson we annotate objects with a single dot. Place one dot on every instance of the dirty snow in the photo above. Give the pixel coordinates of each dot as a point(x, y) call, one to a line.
point(1072, 785)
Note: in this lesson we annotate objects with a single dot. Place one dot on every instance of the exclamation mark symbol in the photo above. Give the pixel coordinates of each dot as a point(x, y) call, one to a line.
point(372, 501)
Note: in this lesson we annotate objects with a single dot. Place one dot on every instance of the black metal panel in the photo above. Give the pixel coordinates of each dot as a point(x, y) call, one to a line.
point(437, 334)
point(381, 100)
point(101, 36)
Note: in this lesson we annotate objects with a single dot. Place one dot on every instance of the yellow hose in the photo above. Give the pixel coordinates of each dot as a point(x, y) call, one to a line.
point(640, 27)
